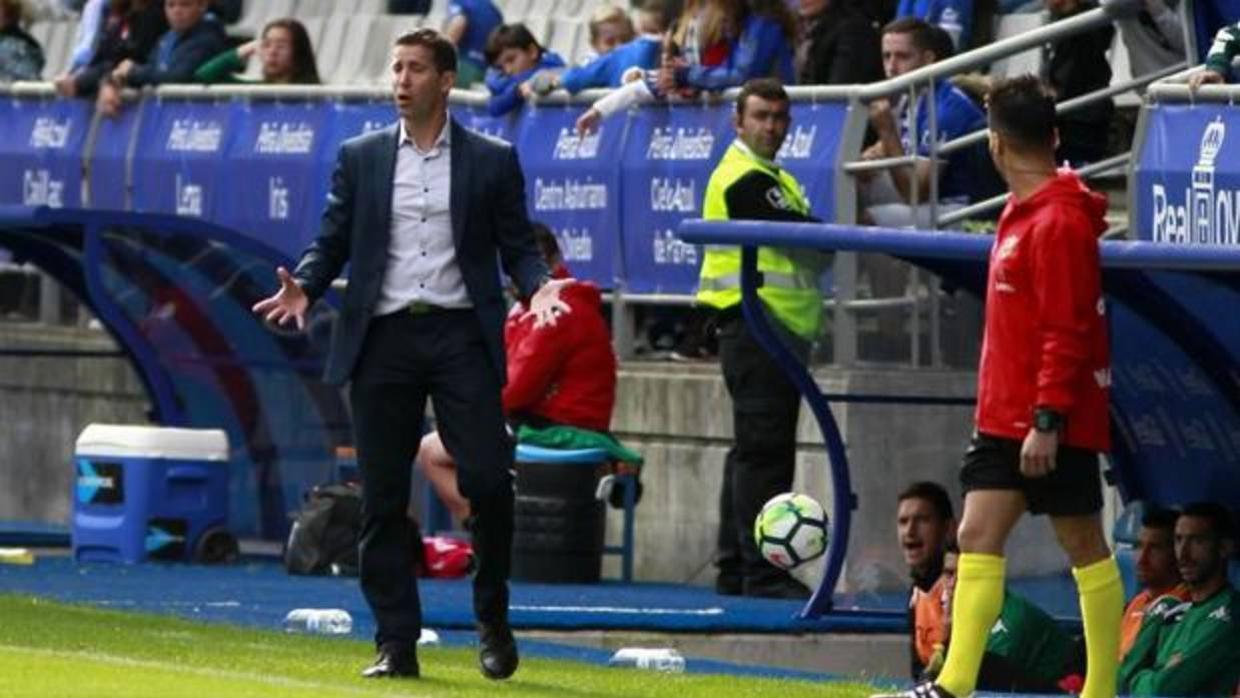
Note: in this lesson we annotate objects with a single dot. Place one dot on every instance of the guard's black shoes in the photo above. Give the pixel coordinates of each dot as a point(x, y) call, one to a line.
point(497, 650)
point(393, 661)
point(921, 690)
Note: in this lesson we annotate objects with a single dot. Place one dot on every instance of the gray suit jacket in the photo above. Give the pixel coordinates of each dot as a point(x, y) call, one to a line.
point(489, 222)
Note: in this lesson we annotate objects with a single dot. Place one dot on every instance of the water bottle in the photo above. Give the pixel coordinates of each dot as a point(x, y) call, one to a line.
point(667, 660)
point(320, 621)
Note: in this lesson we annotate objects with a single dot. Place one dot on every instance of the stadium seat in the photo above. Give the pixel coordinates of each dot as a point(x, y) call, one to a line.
point(316, 8)
point(567, 38)
point(42, 33)
point(1121, 71)
point(336, 34)
point(259, 12)
point(314, 29)
point(515, 10)
point(347, 65)
point(544, 8)
point(359, 7)
point(540, 27)
point(59, 47)
point(1026, 62)
point(373, 68)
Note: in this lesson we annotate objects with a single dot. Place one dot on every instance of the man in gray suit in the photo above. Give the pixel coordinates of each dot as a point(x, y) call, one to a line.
point(421, 210)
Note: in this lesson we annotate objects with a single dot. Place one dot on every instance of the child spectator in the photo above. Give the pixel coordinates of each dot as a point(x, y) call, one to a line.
point(284, 49)
point(608, 69)
point(192, 38)
point(130, 30)
point(21, 57)
point(515, 57)
point(610, 27)
point(470, 23)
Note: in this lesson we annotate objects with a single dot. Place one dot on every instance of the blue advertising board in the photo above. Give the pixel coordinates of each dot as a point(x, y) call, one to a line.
point(179, 163)
point(108, 174)
point(811, 150)
point(1187, 185)
point(669, 154)
point(572, 185)
point(272, 192)
point(343, 120)
point(41, 147)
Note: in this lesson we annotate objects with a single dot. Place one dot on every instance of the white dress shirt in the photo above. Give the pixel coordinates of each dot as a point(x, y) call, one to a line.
point(421, 263)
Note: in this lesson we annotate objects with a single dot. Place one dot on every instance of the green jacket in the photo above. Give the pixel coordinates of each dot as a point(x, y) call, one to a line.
point(224, 68)
point(1029, 638)
point(1224, 50)
point(1186, 649)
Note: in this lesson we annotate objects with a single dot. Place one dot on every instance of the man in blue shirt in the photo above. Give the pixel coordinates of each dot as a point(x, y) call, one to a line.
point(909, 44)
point(470, 22)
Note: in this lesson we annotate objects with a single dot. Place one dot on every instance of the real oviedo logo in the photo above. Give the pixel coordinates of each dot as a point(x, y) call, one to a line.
point(1202, 214)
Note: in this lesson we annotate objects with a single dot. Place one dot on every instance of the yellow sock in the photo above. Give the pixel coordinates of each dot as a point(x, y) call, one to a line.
point(1102, 608)
point(976, 606)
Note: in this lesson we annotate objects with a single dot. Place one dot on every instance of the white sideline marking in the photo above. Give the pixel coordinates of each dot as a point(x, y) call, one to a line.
point(622, 609)
point(116, 660)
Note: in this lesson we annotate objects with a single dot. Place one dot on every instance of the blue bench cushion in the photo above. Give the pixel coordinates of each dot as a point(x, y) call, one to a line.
point(528, 453)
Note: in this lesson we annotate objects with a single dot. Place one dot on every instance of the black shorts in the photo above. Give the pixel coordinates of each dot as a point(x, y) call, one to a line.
point(1073, 488)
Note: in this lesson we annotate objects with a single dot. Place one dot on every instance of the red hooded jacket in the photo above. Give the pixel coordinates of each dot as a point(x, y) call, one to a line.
point(1046, 336)
point(564, 372)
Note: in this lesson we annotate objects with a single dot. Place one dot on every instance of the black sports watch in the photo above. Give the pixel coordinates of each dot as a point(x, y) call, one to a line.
point(1047, 420)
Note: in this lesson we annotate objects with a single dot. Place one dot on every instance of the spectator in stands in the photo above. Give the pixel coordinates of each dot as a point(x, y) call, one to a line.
point(191, 40)
point(21, 57)
point(716, 44)
point(910, 44)
point(1154, 37)
point(284, 49)
point(1026, 650)
point(130, 30)
point(561, 375)
point(610, 27)
point(925, 525)
point(514, 56)
point(608, 69)
point(838, 44)
point(1157, 573)
point(1077, 66)
point(1191, 648)
point(470, 23)
point(1220, 62)
point(88, 31)
point(953, 16)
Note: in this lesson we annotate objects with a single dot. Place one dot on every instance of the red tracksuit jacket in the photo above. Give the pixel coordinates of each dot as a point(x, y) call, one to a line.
point(1045, 343)
point(564, 372)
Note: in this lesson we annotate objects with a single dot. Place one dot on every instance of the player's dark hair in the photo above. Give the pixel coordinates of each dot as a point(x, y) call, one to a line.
point(1160, 518)
point(442, 50)
point(1216, 514)
point(931, 492)
point(769, 89)
point(1022, 110)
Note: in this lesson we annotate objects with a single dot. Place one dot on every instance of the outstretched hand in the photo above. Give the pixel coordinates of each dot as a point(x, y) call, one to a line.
point(546, 305)
point(289, 303)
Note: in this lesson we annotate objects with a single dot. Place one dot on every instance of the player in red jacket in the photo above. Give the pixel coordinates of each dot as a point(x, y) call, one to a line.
point(1042, 395)
point(561, 374)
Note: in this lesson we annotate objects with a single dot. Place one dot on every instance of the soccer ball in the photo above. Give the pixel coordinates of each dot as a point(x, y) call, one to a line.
point(791, 530)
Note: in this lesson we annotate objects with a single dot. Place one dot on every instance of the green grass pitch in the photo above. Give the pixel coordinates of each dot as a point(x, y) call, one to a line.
point(50, 650)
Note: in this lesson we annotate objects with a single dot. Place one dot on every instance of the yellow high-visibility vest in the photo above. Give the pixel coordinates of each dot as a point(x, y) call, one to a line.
point(789, 277)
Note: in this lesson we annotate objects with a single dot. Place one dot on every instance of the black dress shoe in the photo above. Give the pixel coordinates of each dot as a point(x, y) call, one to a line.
point(393, 661)
point(497, 650)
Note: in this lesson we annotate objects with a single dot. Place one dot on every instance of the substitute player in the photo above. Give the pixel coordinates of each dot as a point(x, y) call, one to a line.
point(1041, 417)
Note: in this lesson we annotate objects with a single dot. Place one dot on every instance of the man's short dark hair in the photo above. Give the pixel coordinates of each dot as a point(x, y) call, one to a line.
point(925, 36)
point(1215, 513)
point(442, 50)
point(1160, 518)
point(1022, 110)
point(509, 36)
point(769, 89)
point(932, 492)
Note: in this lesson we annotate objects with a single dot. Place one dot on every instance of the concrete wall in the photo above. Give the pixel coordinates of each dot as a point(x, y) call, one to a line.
point(677, 415)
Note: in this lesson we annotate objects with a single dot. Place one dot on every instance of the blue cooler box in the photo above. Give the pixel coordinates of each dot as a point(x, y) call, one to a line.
point(147, 492)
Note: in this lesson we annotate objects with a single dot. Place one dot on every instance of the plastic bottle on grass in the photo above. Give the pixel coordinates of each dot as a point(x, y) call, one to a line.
point(667, 660)
point(318, 621)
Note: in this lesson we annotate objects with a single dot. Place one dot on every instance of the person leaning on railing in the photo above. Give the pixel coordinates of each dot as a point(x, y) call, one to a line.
point(284, 49)
point(129, 31)
point(1220, 62)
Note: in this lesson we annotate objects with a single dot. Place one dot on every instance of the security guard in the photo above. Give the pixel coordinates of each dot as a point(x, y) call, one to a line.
point(747, 184)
